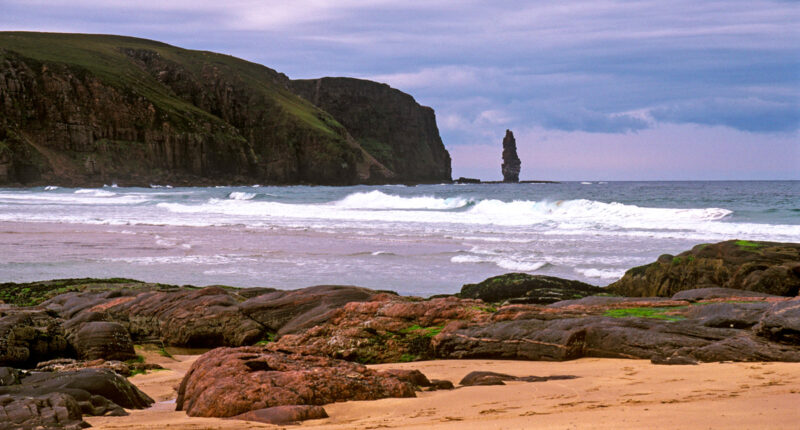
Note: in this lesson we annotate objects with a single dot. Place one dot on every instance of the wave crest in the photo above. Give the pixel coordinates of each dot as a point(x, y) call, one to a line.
point(377, 200)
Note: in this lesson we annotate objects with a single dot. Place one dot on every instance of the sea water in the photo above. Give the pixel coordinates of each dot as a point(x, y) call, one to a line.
point(420, 240)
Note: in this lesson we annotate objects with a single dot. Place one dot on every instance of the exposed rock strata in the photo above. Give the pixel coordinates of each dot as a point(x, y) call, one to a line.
point(765, 267)
point(94, 109)
point(388, 123)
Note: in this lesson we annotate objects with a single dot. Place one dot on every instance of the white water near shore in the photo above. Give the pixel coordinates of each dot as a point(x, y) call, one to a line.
point(417, 240)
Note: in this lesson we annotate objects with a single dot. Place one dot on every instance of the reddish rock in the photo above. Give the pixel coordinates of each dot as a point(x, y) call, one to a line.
point(294, 311)
point(226, 382)
point(387, 329)
point(283, 415)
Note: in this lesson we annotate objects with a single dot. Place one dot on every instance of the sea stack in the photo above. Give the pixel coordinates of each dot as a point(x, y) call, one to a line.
point(511, 162)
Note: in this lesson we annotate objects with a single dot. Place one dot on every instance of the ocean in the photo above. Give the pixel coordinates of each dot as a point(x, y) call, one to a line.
point(416, 240)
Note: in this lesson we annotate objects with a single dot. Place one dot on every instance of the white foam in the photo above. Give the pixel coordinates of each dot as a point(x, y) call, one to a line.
point(95, 193)
point(51, 187)
point(612, 274)
point(378, 200)
point(504, 263)
point(239, 195)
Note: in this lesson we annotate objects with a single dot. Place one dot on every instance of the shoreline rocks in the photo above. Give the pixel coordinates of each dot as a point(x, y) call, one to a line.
point(765, 267)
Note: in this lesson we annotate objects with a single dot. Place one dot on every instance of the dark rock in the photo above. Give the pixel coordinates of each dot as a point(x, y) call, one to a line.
point(284, 415)
point(729, 315)
point(9, 376)
point(28, 336)
point(493, 378)
point(596, 336)
point(511, 163)
point(46, 411)
point(764, 267)
point(525, 288)
point(297, 310)
point(220, 384)
point(389, 124)
point(85, 385)
point(58, 400)
point(441, 384)
point(198, 318)
point(485, 378)
point(781, 323)
point(414, 377)
point(698, 294)
point(463, 180)
point(104, 340)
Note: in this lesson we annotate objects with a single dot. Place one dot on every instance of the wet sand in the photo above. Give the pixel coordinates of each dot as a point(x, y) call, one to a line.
point(608, 394)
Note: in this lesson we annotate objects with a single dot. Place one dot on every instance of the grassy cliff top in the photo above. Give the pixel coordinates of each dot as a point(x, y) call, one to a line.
point(105, 57)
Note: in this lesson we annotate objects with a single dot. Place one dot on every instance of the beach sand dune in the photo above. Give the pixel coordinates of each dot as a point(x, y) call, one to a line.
point(608, 394)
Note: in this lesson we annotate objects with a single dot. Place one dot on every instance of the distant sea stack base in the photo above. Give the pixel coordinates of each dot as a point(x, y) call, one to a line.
point(88, 110)
point(511, 162)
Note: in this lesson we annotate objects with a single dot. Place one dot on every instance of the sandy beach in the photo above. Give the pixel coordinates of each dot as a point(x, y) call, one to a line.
point(608, 394)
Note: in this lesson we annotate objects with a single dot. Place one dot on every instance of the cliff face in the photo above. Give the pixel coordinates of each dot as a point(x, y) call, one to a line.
point(90, 109)
point(388, 123)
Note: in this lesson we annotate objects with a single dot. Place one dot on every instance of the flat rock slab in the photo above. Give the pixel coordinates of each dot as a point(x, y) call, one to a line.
point(493, 378)
point(284, 415)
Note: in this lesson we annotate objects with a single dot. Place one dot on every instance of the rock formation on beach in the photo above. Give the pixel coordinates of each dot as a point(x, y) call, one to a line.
point(511, 162)
point(79, 109)
point(280, 355)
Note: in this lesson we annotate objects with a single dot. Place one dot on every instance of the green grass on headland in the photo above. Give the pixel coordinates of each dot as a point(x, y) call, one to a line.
point(661, 313)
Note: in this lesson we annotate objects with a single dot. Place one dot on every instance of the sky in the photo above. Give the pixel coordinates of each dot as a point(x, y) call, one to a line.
point(593, 90)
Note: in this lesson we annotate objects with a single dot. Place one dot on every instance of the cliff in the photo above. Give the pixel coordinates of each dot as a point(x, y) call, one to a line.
point(388, 123)
point(91, 109)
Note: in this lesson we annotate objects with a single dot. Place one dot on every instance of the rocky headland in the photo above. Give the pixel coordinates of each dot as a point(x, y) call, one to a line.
point(87, 110)
point(280, 356)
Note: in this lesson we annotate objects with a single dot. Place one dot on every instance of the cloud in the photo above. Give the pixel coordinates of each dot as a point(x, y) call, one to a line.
point(749, 114)
point(607, 68)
